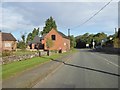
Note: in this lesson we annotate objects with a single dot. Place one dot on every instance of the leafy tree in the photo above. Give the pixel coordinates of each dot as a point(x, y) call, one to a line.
point(88, 39)
point(23, 37)
point(29, 37)
point(72, 41)
point(116, 40)
point(21, 44)
point(33, 34)
point(49, 24)
point(49, 43)
point(99, 37)
point(116, 43)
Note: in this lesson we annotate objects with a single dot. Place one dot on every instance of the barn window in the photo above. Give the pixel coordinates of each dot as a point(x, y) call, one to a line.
point(53, 37)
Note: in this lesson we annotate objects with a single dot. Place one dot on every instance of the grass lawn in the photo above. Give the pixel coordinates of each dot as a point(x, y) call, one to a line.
point(16, 67)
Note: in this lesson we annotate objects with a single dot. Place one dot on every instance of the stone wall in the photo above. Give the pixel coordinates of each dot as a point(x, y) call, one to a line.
point(9, 59)
point(13, 58)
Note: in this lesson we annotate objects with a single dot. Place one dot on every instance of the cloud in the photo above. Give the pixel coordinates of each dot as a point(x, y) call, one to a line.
point(24, 16)
point(13, 21)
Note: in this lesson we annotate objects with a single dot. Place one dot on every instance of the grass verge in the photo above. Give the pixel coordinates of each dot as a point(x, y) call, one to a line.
point(17, 67)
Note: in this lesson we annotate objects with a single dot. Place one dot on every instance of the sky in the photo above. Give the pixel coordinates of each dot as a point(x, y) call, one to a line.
point(21, 17)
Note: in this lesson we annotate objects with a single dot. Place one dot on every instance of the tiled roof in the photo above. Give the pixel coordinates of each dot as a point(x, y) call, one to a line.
point(36, 39)
point(63, 35)
point(8, 37)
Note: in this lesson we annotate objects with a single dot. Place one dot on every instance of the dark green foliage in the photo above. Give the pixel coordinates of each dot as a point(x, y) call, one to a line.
point(29, 37)
point(116, 39)
point(99, 37)
point(33, 34)
point(116, 43)
point(22, 44)
point(49, 43)
point(49, 24)
point(6, 53)
point(72, 41)
point(88, 39)
point(23, 38)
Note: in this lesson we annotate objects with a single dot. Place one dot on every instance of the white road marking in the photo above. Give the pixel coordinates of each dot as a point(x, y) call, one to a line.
point(107, 60)
point(111, 62)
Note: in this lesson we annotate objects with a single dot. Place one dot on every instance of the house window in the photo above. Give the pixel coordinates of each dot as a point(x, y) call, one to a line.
point(53, 37)
point(7, 44)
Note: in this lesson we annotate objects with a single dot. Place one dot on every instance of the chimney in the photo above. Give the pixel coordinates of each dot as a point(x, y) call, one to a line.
point(68, 32)
point(115, 30)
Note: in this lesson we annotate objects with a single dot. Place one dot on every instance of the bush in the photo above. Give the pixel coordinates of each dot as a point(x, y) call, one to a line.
point(116, 43)
point(21, 45)
point(6, 53)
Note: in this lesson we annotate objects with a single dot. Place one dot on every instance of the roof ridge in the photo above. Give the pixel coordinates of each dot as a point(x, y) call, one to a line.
point(8, 37)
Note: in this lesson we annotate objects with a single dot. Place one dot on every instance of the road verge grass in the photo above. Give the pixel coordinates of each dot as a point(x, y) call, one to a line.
point(17, 67)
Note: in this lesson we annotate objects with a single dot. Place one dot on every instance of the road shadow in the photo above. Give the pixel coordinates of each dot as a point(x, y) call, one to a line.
point(81, 67)
point(92, 69)
point(87, 68)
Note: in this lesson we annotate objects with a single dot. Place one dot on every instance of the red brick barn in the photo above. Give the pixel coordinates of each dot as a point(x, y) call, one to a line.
point(60, 41)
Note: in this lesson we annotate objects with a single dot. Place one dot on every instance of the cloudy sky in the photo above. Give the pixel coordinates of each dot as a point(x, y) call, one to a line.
point(22, 17)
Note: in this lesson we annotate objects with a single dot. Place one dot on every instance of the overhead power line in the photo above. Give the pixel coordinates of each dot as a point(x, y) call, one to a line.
point(93, 15)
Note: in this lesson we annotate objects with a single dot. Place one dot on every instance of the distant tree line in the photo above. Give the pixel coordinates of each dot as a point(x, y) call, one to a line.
point(87, 38)
point(99, 39)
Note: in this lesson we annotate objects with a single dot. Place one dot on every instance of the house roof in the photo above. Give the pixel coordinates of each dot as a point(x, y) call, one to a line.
point(8, 37)
point(43, 36)
point(36, 39)
point(63, 35)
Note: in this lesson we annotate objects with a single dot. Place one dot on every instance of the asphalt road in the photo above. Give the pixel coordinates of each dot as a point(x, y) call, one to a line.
point(85, 69)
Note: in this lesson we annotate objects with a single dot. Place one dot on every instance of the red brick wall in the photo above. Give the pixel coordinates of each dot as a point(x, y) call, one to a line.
point(66, 43)
point(58, 43)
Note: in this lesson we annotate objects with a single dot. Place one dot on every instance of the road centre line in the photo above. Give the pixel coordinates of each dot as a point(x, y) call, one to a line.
point(106, 60)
